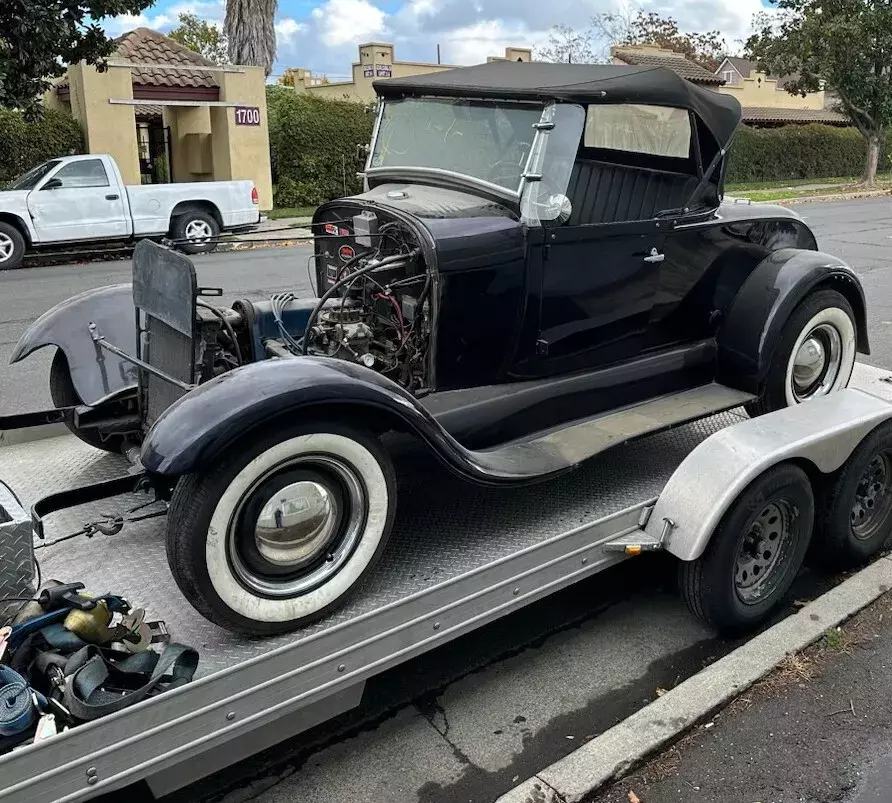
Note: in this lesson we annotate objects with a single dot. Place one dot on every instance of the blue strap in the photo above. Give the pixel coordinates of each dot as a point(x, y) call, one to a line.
point(17, 712)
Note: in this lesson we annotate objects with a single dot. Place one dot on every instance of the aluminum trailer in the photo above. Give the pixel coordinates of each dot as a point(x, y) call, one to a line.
point(460, 557)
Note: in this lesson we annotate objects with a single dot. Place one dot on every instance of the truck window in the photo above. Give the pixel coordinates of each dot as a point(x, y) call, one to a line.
point(30, 179)
point(84, 173)
point(654, 130)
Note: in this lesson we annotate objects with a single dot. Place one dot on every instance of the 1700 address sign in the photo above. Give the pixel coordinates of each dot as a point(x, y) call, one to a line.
point(247, 115)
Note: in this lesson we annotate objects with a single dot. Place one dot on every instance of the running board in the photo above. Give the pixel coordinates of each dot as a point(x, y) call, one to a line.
point(561, 449)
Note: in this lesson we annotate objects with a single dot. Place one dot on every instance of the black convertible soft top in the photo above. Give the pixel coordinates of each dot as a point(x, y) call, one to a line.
point(578, 83)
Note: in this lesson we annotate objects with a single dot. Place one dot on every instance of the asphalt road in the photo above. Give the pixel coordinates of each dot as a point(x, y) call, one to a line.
point(467, 721)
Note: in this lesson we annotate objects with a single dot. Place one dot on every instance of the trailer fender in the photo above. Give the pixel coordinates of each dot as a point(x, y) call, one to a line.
point(821, 434)
point(199, 426)
point(752, 326)
point(96, 373)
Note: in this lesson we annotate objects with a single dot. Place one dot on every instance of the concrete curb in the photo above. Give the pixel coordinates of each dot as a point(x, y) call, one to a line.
point(615, 751)
point(13, 437)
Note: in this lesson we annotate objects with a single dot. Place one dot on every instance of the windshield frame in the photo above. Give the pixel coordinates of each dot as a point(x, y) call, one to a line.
point(49, 164)
point(411, 172)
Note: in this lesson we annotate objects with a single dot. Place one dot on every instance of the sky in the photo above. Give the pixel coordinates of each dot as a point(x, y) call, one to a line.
point(322, 35)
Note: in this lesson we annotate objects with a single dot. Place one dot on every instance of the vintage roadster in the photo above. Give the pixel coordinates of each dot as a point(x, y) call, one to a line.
point(541, 267)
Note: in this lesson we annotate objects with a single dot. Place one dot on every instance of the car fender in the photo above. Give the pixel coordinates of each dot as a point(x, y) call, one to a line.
point(96, 373)
point(195, 430)
point(748, 334)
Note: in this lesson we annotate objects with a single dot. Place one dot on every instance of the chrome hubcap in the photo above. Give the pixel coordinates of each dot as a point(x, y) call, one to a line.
point(6, 247)
point(763, 552)
point(289, 540)
point(296, 523)
point(817, 362)
point(873, 501)
point(198, 230)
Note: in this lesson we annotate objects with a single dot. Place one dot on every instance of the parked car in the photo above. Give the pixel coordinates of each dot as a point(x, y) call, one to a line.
point(78, 199)
point(540, 268)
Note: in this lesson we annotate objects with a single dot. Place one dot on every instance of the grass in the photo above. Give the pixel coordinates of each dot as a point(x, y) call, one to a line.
point(785, 190)
point(291, 211)
point(789, 183)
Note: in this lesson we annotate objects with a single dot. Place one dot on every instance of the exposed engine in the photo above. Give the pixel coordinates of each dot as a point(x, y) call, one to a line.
point(374, 308)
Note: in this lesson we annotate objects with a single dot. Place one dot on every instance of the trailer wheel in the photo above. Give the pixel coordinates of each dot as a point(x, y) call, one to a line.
point(283, 527)
point(754, 554)
point(854, 518)
point(195, 232)
point(64, 394)
point(815, 354)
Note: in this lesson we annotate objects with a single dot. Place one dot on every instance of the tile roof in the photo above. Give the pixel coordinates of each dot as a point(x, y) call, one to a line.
point(765, 114)
point(145, 46)
point(678, 64)
point(746, 68)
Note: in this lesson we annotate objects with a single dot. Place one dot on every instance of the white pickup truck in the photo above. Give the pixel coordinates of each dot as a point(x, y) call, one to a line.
point(78, 199)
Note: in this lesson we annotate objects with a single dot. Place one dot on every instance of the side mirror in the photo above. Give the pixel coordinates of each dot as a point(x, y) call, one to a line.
point(52, 184)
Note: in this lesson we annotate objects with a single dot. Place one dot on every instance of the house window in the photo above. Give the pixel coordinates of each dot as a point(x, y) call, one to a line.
point(655, 130)
point(728, 75)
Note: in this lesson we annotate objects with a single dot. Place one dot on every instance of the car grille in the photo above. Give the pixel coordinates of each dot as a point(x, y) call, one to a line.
point(169, 351)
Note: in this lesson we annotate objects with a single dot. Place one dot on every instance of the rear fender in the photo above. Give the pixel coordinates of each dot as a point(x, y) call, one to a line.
point(96, 373)
point(748, 336)
point(200, 426)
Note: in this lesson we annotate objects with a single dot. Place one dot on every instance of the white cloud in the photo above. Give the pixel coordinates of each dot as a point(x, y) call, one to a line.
point(287, 29)
point(115, 26)
point(342, 22)
point(474, 43)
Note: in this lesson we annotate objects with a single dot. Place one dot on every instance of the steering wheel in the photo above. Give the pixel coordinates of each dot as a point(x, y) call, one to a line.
point(508, 168)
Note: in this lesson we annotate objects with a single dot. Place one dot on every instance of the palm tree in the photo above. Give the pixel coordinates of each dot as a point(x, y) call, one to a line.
point(251, 33)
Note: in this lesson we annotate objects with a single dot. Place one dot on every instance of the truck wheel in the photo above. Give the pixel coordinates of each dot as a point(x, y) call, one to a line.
point(281, 529)
point(854, 517)
point(815, 354)
point(63, 394)
point(754, 554)
point(12, 247)
point(198, 229)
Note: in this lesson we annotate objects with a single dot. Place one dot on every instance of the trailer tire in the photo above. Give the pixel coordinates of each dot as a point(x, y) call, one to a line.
point(754, 554)
point(12, 247)
point(854, 517)
point(64, 394)
point(251, 578)
point(200, 226)
point(823, 320)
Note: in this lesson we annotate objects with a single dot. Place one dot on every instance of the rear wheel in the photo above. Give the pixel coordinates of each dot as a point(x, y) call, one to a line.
point(281, 530)
point(815, 354)
point(754, 554)
point(64, 394)
point(195, 232)
point(12, 247)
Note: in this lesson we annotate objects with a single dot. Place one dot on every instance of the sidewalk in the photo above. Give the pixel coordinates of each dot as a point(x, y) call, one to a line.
point(817, 729)
point(270, 234)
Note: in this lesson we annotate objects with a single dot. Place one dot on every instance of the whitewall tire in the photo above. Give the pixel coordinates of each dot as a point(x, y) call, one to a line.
point(279, 532)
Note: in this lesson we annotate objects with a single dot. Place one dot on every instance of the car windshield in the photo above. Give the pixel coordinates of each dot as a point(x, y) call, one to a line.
point(484, 140)
point(30, 180)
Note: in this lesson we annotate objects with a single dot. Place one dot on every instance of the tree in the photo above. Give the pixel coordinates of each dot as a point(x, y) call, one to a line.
point(625, 27)
point(40, 38)
point(567, 45)
point(201, 36)
point(251, 32)
point(840, 45)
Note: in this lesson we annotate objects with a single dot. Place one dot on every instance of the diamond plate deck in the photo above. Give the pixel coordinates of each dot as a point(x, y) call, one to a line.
point(444, 527)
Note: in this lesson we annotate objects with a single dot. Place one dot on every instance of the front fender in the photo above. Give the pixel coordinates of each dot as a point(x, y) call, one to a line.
point(753, 324)
point(96, 374)
point(194, 431)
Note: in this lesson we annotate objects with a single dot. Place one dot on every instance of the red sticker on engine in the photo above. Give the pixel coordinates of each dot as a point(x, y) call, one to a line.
point(330, 228)
point(346, 253)
point(344, 232)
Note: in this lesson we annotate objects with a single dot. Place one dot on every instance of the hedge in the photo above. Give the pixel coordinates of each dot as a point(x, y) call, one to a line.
point(795, 152)
point(313, 146)
point(26, 145)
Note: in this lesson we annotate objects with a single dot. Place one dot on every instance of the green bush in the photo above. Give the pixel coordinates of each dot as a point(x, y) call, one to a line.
point(313, 146)
point(795, 152)
point(26, 145)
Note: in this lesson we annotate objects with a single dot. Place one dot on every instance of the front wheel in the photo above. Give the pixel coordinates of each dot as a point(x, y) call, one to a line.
point(12, 247)
point(754, 554)
point(282, 529)
point(815, 354)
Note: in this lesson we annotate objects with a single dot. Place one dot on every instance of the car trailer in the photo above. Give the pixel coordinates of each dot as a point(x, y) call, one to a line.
point(460, 557)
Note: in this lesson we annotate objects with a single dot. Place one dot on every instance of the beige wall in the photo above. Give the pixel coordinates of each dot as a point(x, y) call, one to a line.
point(760, 90)
point(242, 152)
point(190, 142)
point(108, 128)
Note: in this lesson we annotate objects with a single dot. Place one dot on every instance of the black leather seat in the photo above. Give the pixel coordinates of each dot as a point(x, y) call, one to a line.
point(610, 193)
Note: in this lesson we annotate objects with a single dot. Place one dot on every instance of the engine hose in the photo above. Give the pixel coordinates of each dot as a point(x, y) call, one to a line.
point(226, 325)
point(350, 277)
